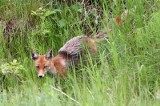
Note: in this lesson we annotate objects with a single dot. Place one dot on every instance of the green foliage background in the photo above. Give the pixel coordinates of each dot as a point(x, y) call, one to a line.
point(129, 69)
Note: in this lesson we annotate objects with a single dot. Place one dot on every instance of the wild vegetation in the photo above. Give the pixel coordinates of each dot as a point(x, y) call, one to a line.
point(128, 68)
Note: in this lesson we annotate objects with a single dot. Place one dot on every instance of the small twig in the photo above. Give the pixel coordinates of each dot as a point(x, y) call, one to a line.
point(66, 95)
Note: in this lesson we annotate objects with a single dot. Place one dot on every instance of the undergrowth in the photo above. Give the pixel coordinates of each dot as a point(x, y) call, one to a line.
point(128, 68)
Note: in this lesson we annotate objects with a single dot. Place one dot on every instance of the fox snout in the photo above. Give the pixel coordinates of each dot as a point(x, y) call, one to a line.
point(40, 75)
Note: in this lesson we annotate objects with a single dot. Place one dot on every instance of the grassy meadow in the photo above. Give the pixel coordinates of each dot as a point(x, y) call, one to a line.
point(128, 69)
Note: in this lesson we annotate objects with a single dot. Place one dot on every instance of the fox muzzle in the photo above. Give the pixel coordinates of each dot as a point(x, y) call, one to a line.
point(40, 75)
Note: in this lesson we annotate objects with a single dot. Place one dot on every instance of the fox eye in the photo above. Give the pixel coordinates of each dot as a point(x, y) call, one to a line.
point(37, 67)
point(45, 66)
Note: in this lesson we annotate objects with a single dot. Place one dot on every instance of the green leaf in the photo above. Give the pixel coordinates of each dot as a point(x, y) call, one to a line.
point(50, 12)
point(62, 23)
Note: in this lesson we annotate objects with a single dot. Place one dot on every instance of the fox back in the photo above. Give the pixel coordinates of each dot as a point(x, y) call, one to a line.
point(77, 47)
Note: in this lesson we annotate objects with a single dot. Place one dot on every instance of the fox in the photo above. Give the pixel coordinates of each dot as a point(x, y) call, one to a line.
point(68, 55)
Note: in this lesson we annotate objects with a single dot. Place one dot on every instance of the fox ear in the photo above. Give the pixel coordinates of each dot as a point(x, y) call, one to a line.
point(49, 54)
point(34, 55)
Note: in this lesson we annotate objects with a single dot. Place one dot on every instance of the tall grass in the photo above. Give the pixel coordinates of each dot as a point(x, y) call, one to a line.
point(128, 69)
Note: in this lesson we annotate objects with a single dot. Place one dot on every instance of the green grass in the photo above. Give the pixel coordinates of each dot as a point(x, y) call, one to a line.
point(129, 69)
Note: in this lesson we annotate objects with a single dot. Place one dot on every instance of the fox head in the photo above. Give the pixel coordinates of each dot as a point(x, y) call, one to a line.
point(42, 62)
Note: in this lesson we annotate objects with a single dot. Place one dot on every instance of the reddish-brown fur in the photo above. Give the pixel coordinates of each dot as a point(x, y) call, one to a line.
point(59, 63)
point(57, 66)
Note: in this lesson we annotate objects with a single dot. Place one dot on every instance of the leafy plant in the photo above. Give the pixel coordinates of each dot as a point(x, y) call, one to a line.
point(43, 13)
point(11, 70)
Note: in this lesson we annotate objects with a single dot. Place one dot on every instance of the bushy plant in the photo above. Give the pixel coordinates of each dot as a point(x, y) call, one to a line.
point(11, 73)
